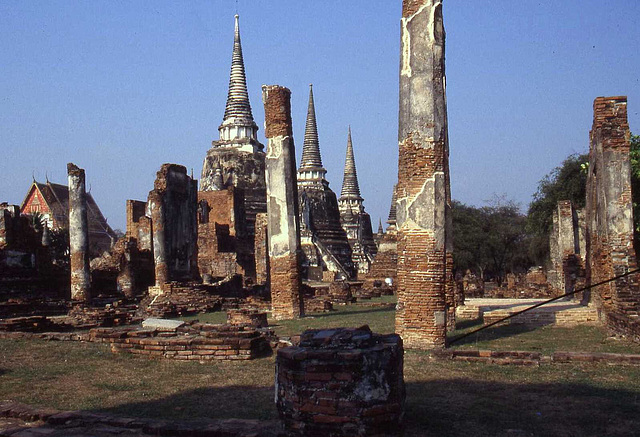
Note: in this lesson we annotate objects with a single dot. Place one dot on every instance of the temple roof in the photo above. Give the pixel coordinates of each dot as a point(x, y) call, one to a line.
point(238, 105)
point(350, 186)
point(311, 148)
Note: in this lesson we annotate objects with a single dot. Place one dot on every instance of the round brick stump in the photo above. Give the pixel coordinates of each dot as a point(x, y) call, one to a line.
point(249, 317)
point(341, 382)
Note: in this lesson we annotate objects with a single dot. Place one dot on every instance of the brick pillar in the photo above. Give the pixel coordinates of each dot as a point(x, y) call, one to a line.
point(158, 236)
point(609, 210)
point(126, 278)
point(261, 249)
point(567, 249)
point(78, 235)
point(282, 205)
point(422, 191)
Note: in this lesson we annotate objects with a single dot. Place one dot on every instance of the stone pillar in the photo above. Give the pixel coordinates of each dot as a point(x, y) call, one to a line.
point(78, 235)
point(609, 210)
point(422, 191)
point(156, 209)
point(282, 205)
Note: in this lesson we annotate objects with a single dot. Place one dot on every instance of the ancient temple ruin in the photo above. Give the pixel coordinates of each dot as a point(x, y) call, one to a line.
point(237, 158)
point(324, 241)
point(567, 248)
point(172, 209)
point(51, 200)
point(609, 217)
point(423, 197)
point(355, 220)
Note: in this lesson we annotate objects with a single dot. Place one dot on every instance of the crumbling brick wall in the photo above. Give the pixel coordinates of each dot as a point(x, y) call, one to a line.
point(173, 210)
point(223, 245)
point(138, 224)
point(565, 245)
point(609, 212)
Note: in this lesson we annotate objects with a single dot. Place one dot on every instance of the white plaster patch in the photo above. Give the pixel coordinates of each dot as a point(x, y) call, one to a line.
point(274, 146)
point(406, 38)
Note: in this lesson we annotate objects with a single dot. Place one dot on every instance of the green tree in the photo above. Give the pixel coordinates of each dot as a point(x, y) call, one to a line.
point(37, 221)
point(469, 250)
point(60, 247)
point(491, 240)
point(566, 182)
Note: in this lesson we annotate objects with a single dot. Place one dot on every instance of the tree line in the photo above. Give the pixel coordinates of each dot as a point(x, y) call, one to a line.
point(497, 238)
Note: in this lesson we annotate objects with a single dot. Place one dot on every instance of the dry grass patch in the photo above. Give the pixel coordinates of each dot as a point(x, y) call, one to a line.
point(443, 397)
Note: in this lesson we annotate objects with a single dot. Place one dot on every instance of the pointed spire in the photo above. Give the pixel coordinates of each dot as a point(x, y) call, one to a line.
point(311, 148)
point(380, 229)
point(392, 211)
point(238, 98)
point(350, 186)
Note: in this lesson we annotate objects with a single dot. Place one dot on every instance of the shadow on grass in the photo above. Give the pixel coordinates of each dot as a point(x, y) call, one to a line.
point(241, 402)
point(493, 333)
point(440, 407)
point(352, 312)
point(461, 325)
point(453, 407)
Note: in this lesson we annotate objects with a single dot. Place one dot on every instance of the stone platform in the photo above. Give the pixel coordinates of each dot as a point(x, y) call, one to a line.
point(559, 313)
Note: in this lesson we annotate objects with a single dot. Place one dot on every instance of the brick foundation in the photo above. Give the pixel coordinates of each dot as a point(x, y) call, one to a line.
point(341, 382)
point(247, 317)
point(200, 342)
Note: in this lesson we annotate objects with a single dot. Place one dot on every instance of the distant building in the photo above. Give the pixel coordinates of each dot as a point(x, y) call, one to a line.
point(324, 241)
point(52, 201)
point(232, 187)
point(355, 220)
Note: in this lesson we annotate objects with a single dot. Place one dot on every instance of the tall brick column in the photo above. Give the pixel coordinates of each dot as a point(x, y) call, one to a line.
point(78, 235)
point(422, 178)
point(609, 210)
point(158, 236)
point(282, 205)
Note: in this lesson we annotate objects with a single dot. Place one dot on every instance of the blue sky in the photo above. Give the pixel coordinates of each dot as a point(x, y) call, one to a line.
point(121, 87)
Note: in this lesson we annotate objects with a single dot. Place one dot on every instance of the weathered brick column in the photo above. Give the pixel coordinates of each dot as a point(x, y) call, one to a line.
point(158, 236)
point(78, 235)
point(126, 278)
point(282, 205)
point(173, 206)
point(261, 250)
point(341, 382)
point(564, 245)
point(609, 210)
point(422, 192)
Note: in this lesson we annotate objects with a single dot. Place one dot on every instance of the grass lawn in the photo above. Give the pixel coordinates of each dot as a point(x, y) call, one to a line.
point(443, 397)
